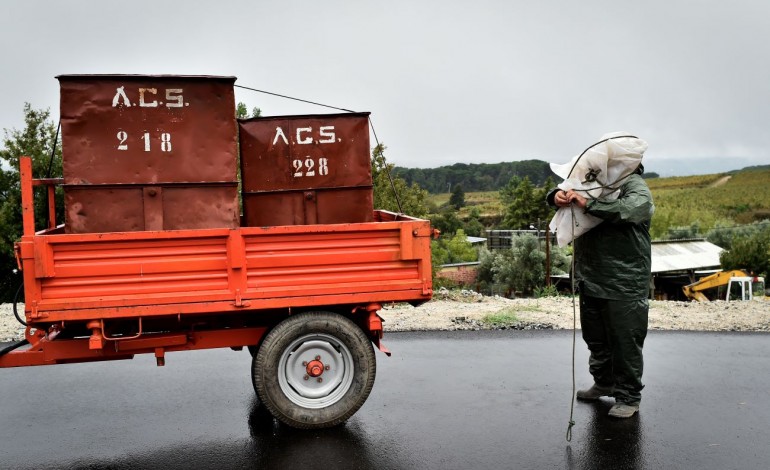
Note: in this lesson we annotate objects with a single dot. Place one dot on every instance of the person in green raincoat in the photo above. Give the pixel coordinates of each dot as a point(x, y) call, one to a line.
point(612, 270)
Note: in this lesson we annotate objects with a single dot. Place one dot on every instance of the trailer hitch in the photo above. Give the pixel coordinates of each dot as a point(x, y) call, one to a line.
point(99, 336)
point(373, 325)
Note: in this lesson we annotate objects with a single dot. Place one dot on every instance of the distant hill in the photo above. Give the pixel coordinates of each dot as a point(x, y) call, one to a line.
point(696, 203)
point(474, 176)
point(699, 166)
point(753, 168)
point(479, 177)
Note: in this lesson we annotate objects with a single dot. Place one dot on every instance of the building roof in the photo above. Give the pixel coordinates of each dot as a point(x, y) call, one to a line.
point(474, 240)
point(684, 255)
point(456, 265)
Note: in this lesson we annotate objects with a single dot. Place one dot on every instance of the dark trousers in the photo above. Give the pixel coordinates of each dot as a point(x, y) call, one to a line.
point(614, 331)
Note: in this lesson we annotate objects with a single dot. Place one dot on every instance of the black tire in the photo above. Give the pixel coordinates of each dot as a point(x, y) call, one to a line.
point(314, 370)
point(253, 351)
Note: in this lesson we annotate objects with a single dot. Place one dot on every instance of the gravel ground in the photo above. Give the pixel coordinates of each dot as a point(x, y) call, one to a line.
point(452, 310)
point(465, 310)
point(10, 328)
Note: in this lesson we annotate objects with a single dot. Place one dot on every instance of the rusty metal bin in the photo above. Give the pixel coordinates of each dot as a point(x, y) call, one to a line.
point(312, 169)
point(145, 152)
point(133, 207)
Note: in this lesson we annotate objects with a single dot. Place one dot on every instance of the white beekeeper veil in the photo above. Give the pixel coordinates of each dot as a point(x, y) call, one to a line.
point(597, 173)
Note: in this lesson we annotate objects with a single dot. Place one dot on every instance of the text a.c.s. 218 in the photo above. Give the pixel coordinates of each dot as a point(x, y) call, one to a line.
point(147, 97)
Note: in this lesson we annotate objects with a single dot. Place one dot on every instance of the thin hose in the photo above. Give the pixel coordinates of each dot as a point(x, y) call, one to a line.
point(387, 170)
point(293, 98)
point(21, 343)
point(53, 150)
point(16, 301)
point(10, 348)
point(574, 339)
point(48, 174)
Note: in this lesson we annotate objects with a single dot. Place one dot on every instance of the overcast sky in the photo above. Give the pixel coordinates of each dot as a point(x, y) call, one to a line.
point(446, 81)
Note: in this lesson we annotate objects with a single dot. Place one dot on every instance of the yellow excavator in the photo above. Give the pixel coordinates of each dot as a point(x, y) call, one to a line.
point(727, 285)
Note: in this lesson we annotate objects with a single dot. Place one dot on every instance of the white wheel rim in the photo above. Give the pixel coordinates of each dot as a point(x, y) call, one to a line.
point(297, 377)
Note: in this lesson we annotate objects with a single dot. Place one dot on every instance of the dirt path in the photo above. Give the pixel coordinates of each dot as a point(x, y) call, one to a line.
point(720, 182)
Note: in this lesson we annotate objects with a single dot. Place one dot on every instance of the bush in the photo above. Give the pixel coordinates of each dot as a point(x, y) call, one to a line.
point(546, 291)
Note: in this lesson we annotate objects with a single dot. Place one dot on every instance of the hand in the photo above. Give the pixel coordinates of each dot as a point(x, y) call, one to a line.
point(579, 200)
point(565, 198)
point(561, 199)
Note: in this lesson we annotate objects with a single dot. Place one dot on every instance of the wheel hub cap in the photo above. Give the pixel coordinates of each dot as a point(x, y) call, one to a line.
point(303, 363)
point(315, 368)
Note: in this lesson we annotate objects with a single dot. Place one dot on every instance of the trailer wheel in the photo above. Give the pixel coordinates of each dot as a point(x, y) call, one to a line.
point(314, 370)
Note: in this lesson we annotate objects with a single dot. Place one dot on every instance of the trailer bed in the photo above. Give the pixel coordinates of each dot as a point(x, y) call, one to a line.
point(123, 275)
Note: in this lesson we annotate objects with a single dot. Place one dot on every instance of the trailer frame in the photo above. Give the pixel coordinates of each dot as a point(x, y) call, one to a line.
point(107, 296)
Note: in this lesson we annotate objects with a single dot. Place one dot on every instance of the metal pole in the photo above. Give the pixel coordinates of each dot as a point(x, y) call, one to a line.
point(547, 257)
point(27, 196)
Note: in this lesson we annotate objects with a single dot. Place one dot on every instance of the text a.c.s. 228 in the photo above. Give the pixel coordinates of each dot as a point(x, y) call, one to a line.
point(308, 166)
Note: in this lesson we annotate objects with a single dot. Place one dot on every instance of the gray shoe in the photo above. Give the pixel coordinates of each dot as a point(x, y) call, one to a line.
point(594, 393)
point(623, 410)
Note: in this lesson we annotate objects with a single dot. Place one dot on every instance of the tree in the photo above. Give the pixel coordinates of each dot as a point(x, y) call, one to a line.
point(524, 203)
point(485, 274)
point(447, 222)
point(541, 210)
point(452, 249)
point(725, 231)
point(460, 249)
point(241, 111)
point(473, 225)
point(681, 233)
point(519, 196)
point(750, 253)
point(474, 176)
point(387, 186)
point(522, 268)
point(457, 199)
point(561, 259)
point(38, 141)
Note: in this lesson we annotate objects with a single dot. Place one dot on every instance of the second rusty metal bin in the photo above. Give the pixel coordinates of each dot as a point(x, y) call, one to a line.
point(310, 169)
point(148, 152)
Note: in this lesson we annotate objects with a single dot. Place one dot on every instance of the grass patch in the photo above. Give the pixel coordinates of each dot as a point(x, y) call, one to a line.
point(504, 317)
point(488, 203)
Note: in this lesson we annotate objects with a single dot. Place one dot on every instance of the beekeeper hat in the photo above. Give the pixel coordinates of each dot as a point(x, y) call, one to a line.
point(622, 151)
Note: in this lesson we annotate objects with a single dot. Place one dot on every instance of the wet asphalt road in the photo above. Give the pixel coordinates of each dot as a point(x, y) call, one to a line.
point(459, 400)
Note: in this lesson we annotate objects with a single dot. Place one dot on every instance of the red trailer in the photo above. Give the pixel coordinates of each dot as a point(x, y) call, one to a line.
point(304, 299)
